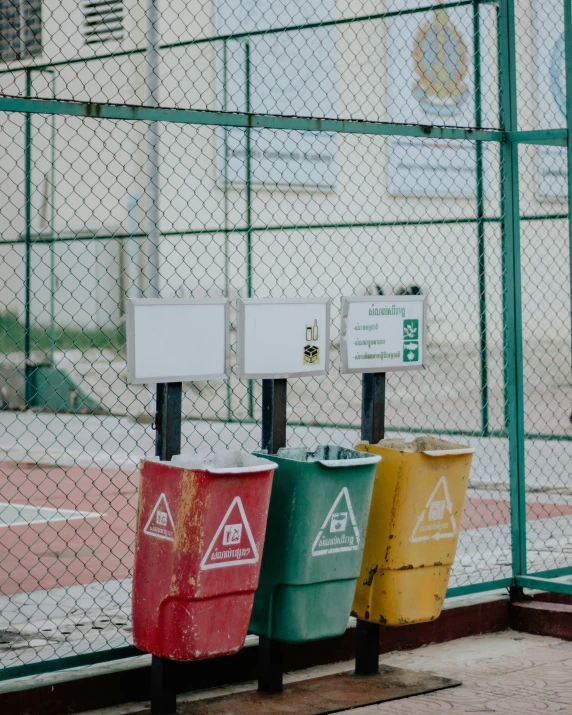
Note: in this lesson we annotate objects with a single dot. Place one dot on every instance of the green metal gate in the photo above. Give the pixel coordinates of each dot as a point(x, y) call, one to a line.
point(218, 148)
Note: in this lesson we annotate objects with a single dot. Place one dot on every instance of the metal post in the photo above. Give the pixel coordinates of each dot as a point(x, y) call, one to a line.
point(163, 694)
point(168, 420)
point(248, 210)
point(132, 275)
point(225, 204)
point(503, 253)
point(152, 188)
point(52, 228)
point(225, 164)
point(28, 388)
point(480, 196)
point(167, 444)
point(513, 305)
point(270, 661)
point(373, 406)
point(274, 415)
point(568, 64)
point(270, 666)
point(372, 431)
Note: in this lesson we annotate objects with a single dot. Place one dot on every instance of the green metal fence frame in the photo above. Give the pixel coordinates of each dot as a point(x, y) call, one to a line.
point(508, 137)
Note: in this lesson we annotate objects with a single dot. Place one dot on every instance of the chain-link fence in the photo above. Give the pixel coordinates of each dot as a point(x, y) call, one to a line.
point(286, 148)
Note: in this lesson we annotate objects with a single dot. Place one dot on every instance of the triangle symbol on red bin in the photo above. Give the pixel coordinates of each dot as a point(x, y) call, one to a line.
point(160, 524)
point(233, 543)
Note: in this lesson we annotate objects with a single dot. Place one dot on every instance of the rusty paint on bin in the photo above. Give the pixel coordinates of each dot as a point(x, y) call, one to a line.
point(185, 608)
point(412, 533)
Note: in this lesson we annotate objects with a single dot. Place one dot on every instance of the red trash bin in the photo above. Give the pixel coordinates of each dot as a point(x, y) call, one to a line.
point(200, 531)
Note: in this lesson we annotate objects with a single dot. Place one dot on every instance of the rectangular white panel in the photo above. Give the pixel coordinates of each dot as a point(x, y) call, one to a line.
point(383, 333)
point(291, 73)
point(550, 76)
point(431, 81)
point(287, 337)
point(177, 340)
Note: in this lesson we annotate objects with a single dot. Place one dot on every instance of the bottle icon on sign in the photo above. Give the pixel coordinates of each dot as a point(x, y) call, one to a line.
point(312, 332)
point(312, 352)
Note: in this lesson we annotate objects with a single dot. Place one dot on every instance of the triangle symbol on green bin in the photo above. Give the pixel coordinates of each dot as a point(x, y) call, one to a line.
point(339, 531)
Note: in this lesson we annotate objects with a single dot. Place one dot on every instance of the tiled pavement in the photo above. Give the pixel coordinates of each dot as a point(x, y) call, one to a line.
point(507, 673)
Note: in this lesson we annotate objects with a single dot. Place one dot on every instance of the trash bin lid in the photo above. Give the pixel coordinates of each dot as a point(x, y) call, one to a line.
point(231, 461)
point(429, 445)
point(329, 456)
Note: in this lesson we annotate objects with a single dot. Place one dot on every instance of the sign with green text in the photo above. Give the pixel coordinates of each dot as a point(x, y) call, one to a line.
point(383, 333)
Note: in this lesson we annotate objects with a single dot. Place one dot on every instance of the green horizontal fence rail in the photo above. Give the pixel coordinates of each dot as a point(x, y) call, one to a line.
point(53, 366)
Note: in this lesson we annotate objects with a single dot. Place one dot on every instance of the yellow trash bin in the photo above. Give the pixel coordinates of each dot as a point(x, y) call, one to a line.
point(413, 528)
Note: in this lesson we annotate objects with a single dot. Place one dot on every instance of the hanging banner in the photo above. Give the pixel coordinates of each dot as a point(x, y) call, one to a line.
point(431, 81)
point(551, 179)
point(290, 73)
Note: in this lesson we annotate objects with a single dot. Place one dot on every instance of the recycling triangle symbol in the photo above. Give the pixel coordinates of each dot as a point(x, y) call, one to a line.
point(233, 543)
point(436, 521)
point(339, 531)
point(160, 524)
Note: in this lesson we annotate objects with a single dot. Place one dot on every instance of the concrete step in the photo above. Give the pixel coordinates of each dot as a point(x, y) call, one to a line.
point(542, 618)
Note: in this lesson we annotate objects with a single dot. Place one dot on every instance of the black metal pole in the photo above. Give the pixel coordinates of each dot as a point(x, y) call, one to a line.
point(270, 666)
point(167, 444)
point(168, 420)
point(372, 430)
point(373, 407)
point(274, 415)
point(274, 392)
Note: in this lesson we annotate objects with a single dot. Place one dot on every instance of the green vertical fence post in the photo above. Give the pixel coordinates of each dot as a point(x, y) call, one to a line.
point(248, 210)
point(568, 64)
point(28, 396)
point(510, 227)
point(52, 194)
point(248, 182)
point(503, 253)
point(225, 203)
point(480, 196)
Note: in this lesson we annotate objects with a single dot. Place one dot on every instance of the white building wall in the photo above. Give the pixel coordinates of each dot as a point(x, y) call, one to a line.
point(99, 164)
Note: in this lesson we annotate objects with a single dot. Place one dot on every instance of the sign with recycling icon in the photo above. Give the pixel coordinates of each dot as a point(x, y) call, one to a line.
point(411, 340)
point(283, 337)
point(383, 333)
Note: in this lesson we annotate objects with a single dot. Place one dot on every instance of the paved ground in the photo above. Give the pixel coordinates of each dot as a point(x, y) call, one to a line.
point(65, 582)
point(506, 673)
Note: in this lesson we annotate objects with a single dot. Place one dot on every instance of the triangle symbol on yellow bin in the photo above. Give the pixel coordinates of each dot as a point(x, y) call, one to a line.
point(437, 520)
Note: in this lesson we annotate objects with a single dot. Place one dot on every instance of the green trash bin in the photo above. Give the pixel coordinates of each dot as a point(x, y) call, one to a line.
point(314, 542)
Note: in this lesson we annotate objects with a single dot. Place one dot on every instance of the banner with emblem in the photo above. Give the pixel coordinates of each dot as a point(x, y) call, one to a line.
point(291, 73)
point(551, 180)
point(432, 82)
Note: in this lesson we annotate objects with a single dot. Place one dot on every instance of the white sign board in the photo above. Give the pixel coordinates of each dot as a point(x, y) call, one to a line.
point(551, 177)
point(291, 73)
point(431, 81)
point(383, 333)
point(177, 340)
point(283, 337)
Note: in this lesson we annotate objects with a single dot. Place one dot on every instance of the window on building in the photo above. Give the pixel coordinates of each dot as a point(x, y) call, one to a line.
point(20, 29)
point(103, 20)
